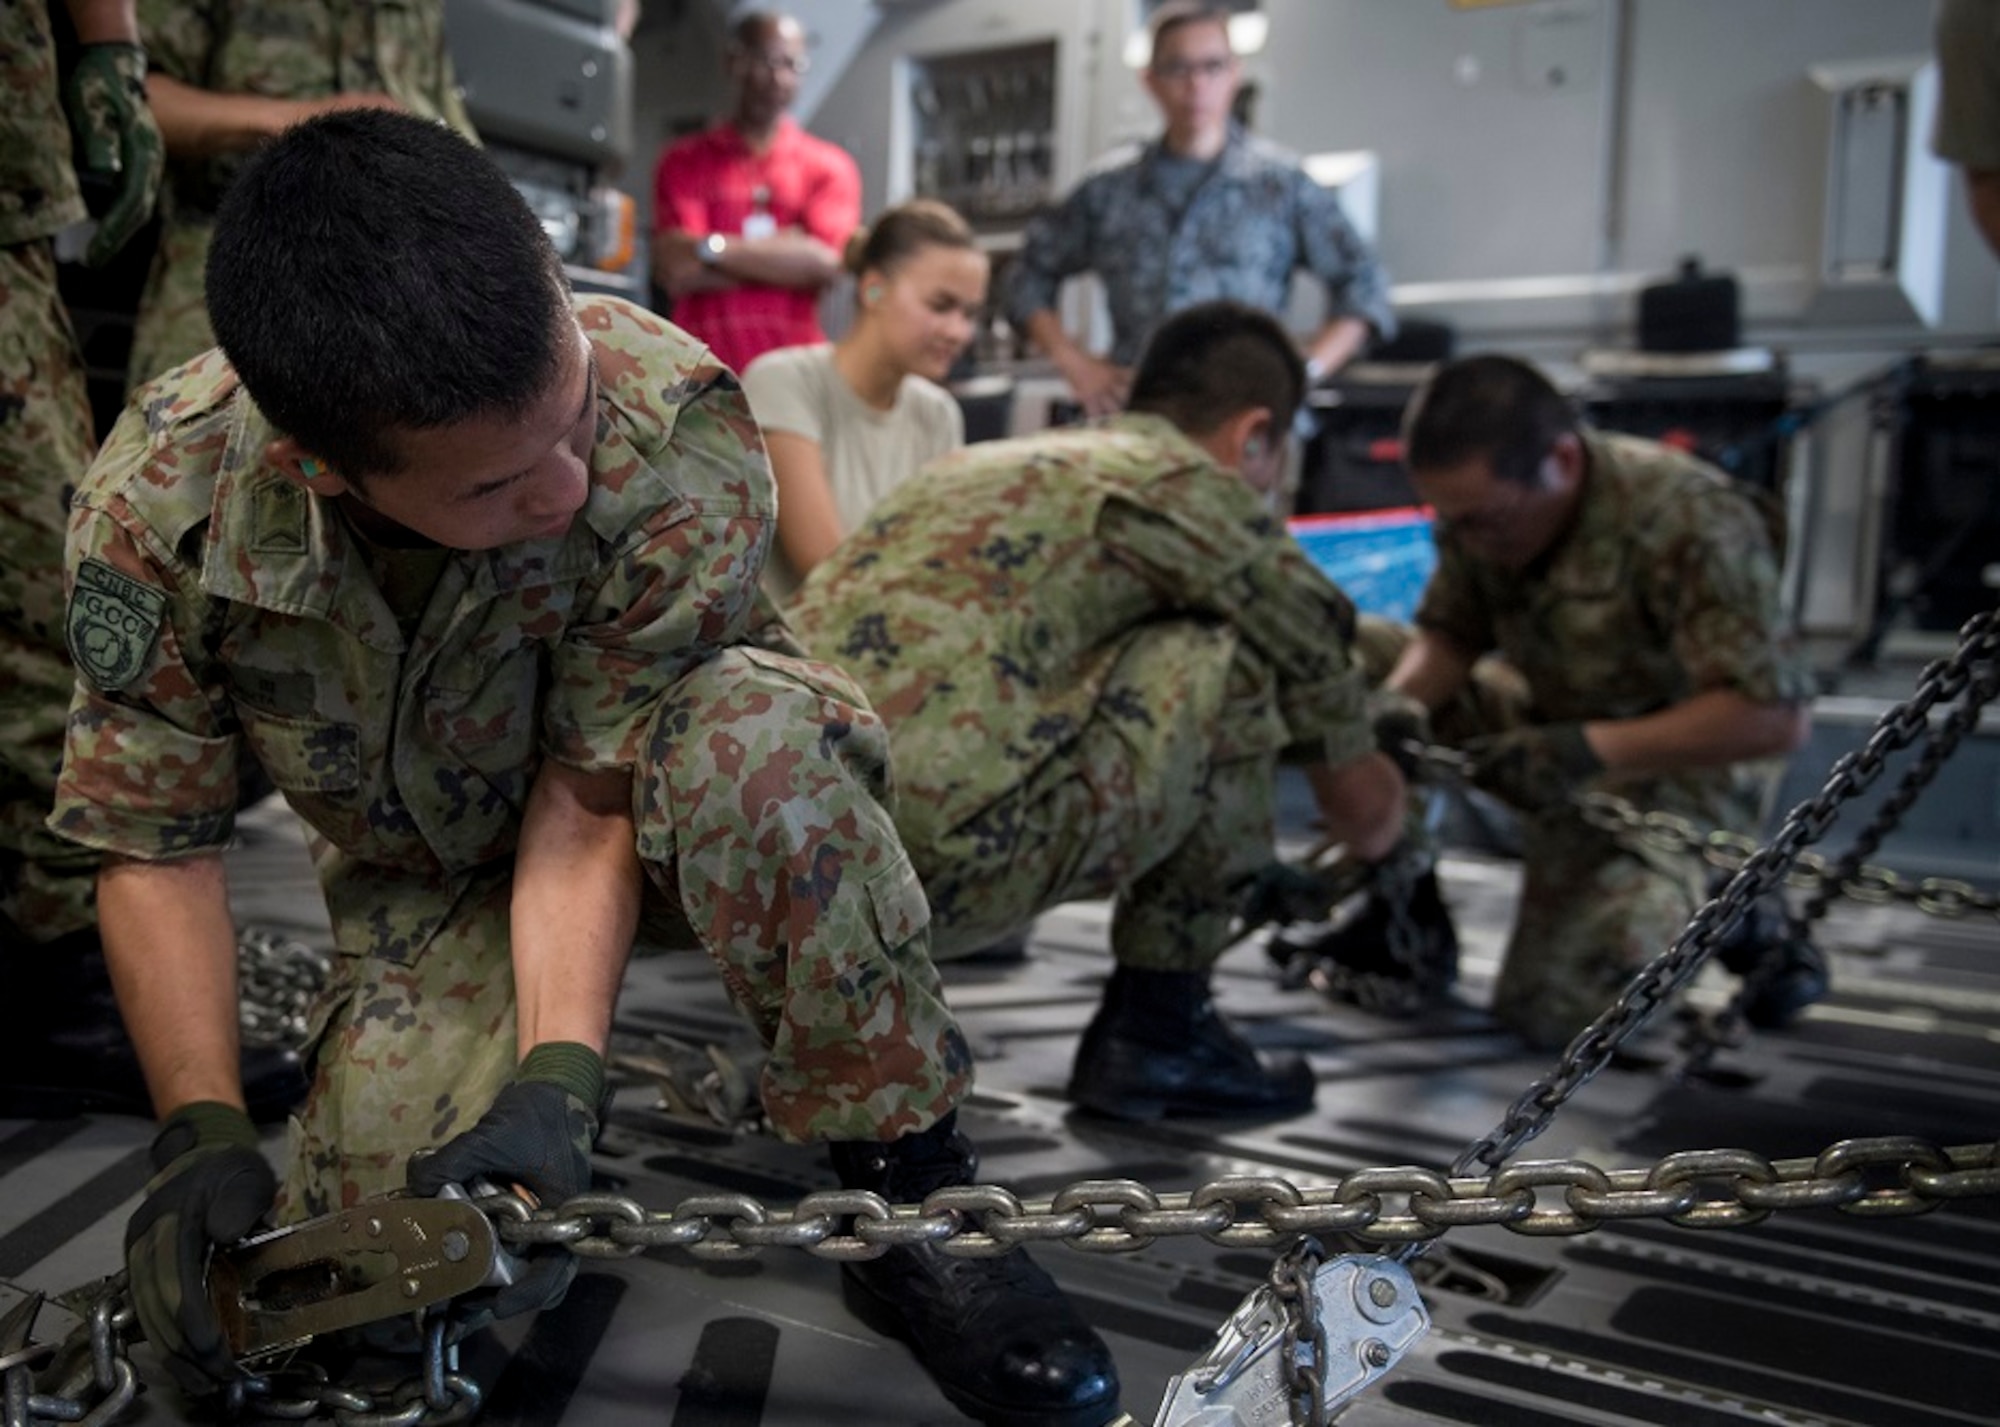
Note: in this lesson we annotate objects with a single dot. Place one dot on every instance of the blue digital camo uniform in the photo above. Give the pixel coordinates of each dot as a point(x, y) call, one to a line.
point(1667, 585)
point(1090, 647)
point(46, 440)
point(214, 603)
point(1256, 219)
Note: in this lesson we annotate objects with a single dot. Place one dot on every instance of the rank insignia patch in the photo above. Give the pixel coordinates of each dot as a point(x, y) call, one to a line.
point(113, 623)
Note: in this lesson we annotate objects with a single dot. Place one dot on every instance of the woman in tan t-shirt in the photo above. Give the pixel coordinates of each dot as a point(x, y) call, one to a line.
point(846, 422)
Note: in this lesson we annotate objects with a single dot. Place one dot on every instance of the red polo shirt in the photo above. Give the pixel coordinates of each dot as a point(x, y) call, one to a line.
point(710, 183)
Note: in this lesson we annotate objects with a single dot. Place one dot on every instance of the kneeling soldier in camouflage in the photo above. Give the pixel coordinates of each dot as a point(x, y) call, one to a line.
point(1091, 646)
point(468, 564)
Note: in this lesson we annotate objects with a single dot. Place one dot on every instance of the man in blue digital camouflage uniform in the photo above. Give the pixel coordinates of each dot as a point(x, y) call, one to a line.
point(1205, 211)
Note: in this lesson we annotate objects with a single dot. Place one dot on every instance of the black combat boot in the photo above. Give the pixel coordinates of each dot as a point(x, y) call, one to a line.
point(1782, 971)
point(1158, 1046)
point(998, 1336)
point(63, 1047)
point(1394, 955)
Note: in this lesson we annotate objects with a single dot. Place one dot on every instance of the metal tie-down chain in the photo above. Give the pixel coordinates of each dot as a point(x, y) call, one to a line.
point(1405, 1206)
point(87, 1379)
point(1852, 876)
point(277, 980)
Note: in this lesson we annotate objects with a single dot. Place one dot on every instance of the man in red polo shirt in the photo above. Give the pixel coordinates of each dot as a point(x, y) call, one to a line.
point(750, 215)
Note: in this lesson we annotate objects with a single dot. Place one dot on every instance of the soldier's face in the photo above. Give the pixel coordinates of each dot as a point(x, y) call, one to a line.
point(1502, 522)
point(493, 481)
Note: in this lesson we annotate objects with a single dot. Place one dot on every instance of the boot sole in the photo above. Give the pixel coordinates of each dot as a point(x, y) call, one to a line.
point(884, 1319)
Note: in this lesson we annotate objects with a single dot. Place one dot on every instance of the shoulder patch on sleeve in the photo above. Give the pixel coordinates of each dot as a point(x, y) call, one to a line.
point(114, 621)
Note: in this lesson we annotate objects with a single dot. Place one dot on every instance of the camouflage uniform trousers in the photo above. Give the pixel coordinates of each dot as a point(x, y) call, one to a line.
point(171, 325)
point(763, 778)
point(47, 884)
point(1591, 913)
point(1154, 803)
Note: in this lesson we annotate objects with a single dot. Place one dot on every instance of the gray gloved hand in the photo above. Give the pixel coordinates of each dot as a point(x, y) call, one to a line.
point(213, 1186)
point(117, 141)
point(537, 1134)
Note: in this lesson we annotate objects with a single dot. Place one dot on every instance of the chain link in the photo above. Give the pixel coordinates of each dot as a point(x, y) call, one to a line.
point(277, 980)
point(1387, 1205)
point(1403, 1205)
point(1304, 1347)
point(90, 1381)
point(437, 1395)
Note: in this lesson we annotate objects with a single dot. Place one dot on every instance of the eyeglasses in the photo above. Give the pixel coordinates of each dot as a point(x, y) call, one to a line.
point(1180, 70)
point(778, 63)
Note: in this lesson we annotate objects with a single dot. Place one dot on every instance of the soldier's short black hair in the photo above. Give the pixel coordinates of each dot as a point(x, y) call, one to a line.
point(373, 272)
point(1212, 360)
point(1494, 408)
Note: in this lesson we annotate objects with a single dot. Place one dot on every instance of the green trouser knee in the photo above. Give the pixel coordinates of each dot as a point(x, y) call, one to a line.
point(1591, 915)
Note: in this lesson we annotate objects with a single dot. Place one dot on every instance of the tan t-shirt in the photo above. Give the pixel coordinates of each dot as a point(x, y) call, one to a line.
point(868, 453)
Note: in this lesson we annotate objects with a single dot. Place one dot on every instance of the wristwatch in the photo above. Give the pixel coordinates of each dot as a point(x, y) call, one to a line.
point(709, 250)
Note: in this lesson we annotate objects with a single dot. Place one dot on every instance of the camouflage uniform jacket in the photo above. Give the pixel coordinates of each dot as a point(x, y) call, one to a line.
point(38, 189)
point(281, 49)
point(296, 49)
point(1667, 585)
point(1254, 221)
point(984, 605)
point(214, 602)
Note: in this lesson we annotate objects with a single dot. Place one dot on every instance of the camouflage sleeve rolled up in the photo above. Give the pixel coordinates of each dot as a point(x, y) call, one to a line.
point(1203, 536)
point(1057, 245)
point(1334, 251)
point(682, 583)
point(149, 768)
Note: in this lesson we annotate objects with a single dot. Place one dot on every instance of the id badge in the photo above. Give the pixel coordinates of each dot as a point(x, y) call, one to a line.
point(759, 225)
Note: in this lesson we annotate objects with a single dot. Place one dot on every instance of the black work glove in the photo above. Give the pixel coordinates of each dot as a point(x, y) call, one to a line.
point(212, 1187)
point(536, 1135)
point(117, 142)
point(1534, 768)
point(1282, 893)
point(1402, 727)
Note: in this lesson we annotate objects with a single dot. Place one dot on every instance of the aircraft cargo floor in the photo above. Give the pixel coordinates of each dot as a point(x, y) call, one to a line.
point(1808, 1317)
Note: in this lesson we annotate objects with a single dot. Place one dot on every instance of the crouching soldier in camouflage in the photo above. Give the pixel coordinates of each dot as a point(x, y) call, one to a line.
point(467, 564)
point(1091, 647)
point(1633, 593)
